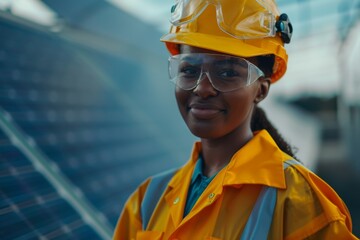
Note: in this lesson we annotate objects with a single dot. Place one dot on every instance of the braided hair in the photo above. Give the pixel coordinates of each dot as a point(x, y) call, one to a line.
point(259, 119)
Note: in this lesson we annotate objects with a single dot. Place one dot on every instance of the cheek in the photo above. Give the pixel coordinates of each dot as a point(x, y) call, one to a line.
point(240, 106)
point(241, 103)
point(181, 99)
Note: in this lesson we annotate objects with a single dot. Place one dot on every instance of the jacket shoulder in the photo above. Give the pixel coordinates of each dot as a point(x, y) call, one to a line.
point(307, 205)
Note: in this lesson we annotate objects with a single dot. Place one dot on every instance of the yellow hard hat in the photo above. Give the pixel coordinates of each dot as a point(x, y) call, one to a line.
point(244, 28)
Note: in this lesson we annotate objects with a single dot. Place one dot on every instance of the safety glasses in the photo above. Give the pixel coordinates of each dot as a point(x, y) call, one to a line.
point(243, 19)
point(226, 73)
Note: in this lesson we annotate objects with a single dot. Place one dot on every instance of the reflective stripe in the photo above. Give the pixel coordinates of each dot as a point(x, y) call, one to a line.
point(291, 162)
point(260, 219)
point(259, 222)
point(153, 193)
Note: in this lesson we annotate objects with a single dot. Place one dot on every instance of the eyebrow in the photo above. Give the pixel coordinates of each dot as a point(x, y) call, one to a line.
point(192, 60)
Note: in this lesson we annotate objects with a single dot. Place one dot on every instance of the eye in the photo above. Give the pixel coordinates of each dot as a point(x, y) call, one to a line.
point(228, 73)
point(189, 71)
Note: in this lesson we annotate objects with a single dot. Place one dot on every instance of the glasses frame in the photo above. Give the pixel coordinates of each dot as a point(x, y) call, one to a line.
point(254, 72)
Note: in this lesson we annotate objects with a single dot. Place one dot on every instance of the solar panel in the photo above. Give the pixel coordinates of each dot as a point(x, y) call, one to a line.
point(30, 207)
point(78, 124)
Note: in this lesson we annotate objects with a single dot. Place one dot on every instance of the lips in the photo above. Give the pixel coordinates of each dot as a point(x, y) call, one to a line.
point(204, 111)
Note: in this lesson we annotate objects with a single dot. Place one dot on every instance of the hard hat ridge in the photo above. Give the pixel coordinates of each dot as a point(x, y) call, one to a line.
point(204, 30)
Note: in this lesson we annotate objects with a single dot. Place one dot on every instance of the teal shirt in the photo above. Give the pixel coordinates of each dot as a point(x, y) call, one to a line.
point(197, 186)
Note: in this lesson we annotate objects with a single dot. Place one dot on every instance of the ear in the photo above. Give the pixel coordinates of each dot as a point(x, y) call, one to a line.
point(263, 89)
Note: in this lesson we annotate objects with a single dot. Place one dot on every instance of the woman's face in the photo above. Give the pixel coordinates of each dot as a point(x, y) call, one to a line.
point(211, 114)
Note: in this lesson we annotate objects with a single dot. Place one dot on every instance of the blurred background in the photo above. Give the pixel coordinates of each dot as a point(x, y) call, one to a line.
point(87, 112)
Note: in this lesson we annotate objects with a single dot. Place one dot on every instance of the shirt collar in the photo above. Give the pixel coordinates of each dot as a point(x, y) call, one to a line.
point(197, 170)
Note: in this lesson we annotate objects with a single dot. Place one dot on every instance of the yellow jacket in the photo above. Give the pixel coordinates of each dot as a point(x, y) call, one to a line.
point(306, 207)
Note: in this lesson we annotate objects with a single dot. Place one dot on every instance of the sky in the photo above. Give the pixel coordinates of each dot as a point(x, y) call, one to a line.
point(33, 10)
point(157, 11)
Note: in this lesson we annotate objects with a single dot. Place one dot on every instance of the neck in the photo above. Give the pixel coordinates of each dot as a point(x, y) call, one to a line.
point(218, 152)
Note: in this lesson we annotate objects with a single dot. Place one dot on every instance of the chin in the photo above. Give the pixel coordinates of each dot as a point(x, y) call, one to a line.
point(205, 133)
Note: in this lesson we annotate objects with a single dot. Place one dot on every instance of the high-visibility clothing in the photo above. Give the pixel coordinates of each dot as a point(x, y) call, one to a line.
point(306, 207)
point(258, 223)
point(198, 184)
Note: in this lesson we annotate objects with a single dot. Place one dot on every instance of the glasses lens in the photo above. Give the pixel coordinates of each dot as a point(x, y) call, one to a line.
point(185, 70)
point(226, 73)
point(185, 11)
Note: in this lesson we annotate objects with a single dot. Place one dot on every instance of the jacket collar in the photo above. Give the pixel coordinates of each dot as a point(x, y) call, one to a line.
point(260, 161)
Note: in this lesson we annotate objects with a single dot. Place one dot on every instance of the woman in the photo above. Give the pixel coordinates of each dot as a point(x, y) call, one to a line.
point(241, 181)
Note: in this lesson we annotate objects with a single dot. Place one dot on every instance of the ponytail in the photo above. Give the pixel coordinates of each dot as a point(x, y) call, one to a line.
point(259, 121)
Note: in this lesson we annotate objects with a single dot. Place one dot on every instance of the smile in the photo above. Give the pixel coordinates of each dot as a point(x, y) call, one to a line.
point(202, 111)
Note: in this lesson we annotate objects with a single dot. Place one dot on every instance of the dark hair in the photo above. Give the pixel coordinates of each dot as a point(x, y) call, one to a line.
point(259, 120)
point(266, 63)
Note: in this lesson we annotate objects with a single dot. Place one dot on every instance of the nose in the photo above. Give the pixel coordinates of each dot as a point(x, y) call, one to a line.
point(204, 87)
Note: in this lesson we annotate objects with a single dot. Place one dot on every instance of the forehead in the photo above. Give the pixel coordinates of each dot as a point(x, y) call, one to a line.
point(191, 49)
